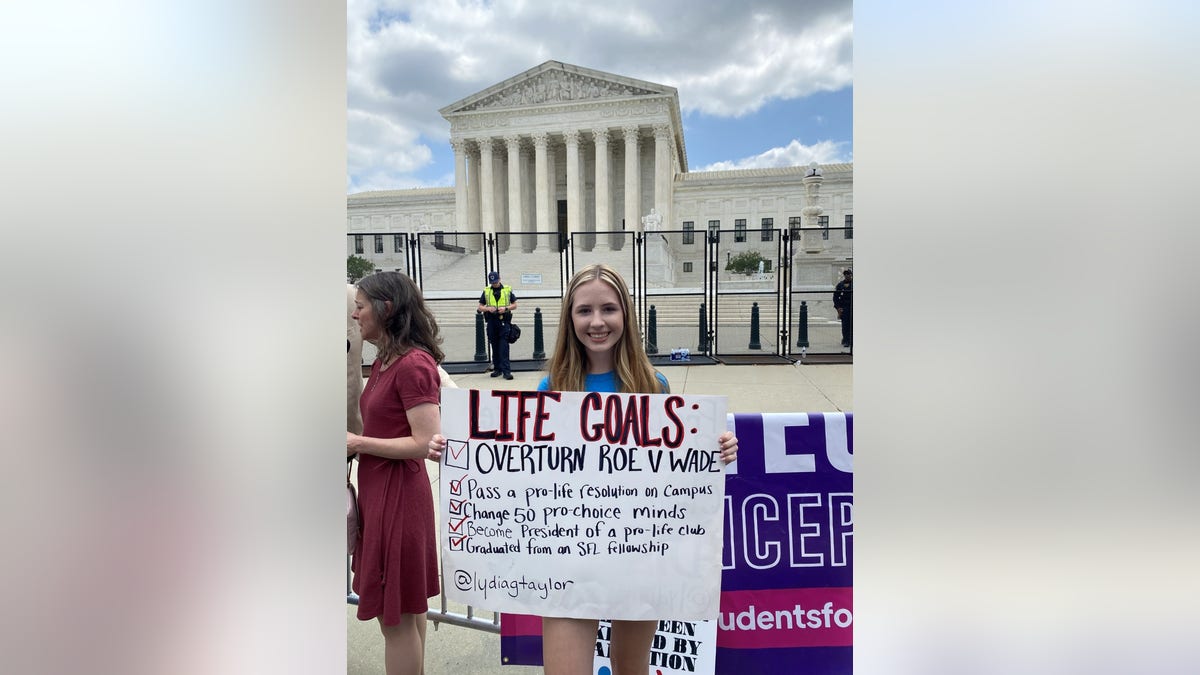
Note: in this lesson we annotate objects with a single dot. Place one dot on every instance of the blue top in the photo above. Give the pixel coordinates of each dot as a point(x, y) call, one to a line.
point(603, 383)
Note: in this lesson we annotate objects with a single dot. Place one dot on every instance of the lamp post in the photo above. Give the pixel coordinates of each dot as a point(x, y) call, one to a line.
point(812, 209)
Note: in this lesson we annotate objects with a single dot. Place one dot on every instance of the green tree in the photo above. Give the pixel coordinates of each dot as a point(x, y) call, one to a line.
point(745, 262)
point(358, 267)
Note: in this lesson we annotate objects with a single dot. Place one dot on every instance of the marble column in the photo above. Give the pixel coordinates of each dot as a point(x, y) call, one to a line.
point(528, 201)
point(541, 182)
point(574, 199)
point(460, 185)
point(603, 200)
point(487, 186)
point(663, 174)
point(633, 198)
point(474, 241)
point(513, 144)
point(552, 194)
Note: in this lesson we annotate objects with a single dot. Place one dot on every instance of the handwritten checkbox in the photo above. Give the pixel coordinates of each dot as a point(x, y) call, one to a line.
point(456, 455)
point(456, 506)
point(456, 525)
point(456, 486)
point(456, 543)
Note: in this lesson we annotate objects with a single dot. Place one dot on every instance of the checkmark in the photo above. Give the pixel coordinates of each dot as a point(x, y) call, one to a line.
point(455, 526)
point(456, 454)
point(456, 543)
point(456, 486)
point(456, 506)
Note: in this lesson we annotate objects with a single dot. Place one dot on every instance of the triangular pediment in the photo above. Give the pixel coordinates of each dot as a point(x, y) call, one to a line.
point(552, 83)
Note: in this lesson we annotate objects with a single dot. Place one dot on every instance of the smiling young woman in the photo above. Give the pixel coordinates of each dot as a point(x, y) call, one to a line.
point(600, 341)
point(599, 349)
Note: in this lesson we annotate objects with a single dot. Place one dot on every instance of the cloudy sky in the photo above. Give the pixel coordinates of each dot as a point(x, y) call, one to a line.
point(761, 83)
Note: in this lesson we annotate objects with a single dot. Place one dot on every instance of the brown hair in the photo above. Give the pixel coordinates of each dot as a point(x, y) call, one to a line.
point(408, 323)
point(568, 363)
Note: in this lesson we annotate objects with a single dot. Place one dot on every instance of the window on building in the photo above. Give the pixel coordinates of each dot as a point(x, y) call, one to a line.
point(848, 233)
point(739, 229)
point(689, 236)
point(766, 266)
point(379, 243)
point(687, 267)
point(823, 221)
point(714, 230)
point(358, 244)
point(794, 226)
point(768, 228)
point(397, 243)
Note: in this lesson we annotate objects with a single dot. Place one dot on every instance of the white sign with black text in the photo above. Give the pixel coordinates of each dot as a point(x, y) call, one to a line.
point(582, 504)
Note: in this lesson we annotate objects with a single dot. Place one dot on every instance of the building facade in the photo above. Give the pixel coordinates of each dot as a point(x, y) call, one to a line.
point(560, 150)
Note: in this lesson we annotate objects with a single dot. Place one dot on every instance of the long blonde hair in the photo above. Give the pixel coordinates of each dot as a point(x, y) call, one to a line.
point(568, 364)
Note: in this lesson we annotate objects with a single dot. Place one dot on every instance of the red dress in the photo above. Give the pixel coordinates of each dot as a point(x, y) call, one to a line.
point(395, 562)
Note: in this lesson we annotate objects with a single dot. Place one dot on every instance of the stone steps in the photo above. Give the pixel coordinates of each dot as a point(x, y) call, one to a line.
point(682, 312)
point(450, 275)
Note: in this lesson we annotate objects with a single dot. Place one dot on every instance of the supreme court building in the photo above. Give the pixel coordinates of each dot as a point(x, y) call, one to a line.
point(566, 151)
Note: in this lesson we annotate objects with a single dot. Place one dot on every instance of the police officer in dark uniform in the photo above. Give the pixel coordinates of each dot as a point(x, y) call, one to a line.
point(497, 303)
point(843, 301)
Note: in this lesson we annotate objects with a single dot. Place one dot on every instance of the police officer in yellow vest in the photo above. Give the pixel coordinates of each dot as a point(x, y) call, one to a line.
point(497, 303)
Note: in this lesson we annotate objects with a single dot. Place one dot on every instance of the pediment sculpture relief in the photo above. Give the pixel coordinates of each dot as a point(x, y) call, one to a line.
point(556, 87)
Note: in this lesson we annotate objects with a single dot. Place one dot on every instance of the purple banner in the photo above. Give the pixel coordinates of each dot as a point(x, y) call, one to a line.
point(787, 554)
point(786, 589)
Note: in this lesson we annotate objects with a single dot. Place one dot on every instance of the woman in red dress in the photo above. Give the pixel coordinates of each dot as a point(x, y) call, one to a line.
point(395, 562)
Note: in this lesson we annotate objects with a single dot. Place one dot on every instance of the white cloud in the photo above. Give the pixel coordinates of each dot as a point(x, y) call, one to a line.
point(794, 154)
point(380, 150)
point(774, 64)
point(408, 58)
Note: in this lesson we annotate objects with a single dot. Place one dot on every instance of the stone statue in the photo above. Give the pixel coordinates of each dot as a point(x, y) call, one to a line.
point(652, 222)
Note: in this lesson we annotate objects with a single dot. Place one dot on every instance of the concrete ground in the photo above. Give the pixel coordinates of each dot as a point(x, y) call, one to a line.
point(454, 650)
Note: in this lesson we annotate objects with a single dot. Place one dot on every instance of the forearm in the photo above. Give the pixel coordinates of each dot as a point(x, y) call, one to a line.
point(408, 447)
point(425, 420)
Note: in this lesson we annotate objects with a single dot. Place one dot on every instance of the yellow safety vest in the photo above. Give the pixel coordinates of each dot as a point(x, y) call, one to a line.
point(490, 296)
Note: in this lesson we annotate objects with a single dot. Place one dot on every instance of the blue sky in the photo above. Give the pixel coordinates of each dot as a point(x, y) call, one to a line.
point(824, 116)
point(761, 83)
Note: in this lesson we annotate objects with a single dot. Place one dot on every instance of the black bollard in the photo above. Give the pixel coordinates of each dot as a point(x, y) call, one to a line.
point(652, 332)
point(480, 340)
point(703, 342)
point(754, 332)
point(539, 344)
point(802, 329)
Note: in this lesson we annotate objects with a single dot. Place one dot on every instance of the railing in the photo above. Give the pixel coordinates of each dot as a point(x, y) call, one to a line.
point(442, 615)
point(684, 274)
